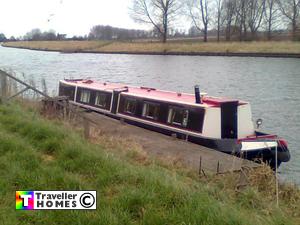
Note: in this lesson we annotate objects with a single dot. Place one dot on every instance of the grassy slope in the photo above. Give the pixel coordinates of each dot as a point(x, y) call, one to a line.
point(39, 154)
point(104, 46)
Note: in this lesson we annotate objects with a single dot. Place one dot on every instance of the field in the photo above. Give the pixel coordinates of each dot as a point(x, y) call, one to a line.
point(41, 154)
point(156, 47)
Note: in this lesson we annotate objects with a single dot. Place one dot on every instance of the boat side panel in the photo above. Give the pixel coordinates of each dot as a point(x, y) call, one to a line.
point(92, 99)
point(66, 90)
point(245, 124)
point(212, 123)
point(196, 115)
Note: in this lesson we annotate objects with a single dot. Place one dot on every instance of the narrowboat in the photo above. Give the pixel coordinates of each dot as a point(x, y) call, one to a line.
point(219, 123)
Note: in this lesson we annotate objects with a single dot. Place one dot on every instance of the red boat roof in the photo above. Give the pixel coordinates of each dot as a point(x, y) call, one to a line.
point(152, 93)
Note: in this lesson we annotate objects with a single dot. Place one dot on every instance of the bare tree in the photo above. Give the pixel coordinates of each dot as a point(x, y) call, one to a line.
point(255, 14)
point(158, 13)
point(271, 16)
point(290, 9)
point(230, 7)
point(219, 6)
point(199, 13)
point(241, 12)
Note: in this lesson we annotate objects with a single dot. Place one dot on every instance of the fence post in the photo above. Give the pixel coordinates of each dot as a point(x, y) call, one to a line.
point(3, 86)
point(200, 165)
point(86, 127)
point(218, 167)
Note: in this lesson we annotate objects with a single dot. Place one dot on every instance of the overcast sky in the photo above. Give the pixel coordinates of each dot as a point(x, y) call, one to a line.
point(72, 17)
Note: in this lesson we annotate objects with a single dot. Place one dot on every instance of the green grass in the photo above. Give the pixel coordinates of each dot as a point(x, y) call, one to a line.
point(37, 154)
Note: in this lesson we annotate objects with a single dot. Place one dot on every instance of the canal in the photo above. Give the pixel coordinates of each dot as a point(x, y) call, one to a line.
point(272, 85)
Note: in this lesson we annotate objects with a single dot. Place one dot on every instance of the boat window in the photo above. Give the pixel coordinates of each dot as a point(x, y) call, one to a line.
point(85, 96)
point(130, 106)
point(150, 110)
point(68, 91)
point(178, 116)
point(101, 99)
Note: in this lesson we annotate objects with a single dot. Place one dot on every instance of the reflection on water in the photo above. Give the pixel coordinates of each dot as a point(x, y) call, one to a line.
point(272, 85)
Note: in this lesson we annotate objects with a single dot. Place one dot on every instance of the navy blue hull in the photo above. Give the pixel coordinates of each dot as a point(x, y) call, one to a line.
point(229, 146)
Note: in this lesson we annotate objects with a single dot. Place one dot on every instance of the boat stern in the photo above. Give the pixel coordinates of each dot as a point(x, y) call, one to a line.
point(266, 148)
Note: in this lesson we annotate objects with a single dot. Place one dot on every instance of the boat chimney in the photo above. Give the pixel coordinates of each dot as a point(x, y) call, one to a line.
point(197, 95)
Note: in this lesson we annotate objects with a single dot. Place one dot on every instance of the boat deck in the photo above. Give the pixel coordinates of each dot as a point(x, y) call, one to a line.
point(166, 147)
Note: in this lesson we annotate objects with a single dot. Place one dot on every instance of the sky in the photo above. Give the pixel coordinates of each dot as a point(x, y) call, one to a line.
point(71, 17)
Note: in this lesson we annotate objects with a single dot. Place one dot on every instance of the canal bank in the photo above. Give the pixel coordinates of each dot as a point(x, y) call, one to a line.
point(132, 186)
point(240, 49)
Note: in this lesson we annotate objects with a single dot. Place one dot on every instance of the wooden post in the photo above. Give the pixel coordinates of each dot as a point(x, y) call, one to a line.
point(19, 93)
point(64, 109)
point(86, 126)
point(122, 121)
point(7, 75)
point(3, 87)
point(200, 165)
point(218, 167)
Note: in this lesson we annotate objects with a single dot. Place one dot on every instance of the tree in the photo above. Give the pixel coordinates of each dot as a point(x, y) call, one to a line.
point(12, 38)
point(49, 35)
point(219, 6)
point(38, 35)
point(2, 37)
point(290, 9)
point(255, 14)
point(199, 13)
point(271, 16)
point(194, 32)
point(101, 32)
point(241, 10)
point(158, 13)
point(33, 35)
point(230, 7)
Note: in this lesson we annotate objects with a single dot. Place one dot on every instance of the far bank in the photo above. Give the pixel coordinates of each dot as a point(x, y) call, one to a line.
point(284, 49)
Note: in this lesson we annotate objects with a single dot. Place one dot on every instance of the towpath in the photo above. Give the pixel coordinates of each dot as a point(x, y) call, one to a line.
point(163, 146)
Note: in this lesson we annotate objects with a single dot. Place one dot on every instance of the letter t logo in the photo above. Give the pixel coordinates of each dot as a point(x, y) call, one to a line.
point(25, 199)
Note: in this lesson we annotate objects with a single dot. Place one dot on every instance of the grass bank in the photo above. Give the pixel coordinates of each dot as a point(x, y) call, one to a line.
point(189, 48)
point(38, 154)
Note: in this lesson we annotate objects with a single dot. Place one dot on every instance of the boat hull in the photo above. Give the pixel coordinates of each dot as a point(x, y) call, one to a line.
point(228, 146)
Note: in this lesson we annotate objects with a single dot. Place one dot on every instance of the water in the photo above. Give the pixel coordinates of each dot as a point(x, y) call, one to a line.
point(272, 85)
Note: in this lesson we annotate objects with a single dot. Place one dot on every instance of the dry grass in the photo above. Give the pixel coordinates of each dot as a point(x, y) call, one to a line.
point(58, 45)
point(259, 192)
point(185, 47)
point(133, 151)
point(262, 47)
